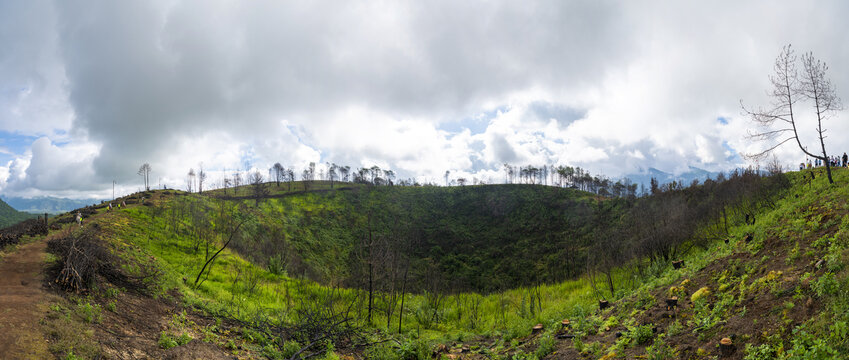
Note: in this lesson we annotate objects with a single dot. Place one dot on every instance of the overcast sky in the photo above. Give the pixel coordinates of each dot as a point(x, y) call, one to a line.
point(90, 91)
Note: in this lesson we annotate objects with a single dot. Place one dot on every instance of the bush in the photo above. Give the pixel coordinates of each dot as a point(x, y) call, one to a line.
point(167, 341)
point(545, 346)
point(807, 346)
point(381, 351)
point(414, 350)
point(763, 352)
point(660, 350)
point(89, 313)
point(641, 334)
point(290, 348)
point(826, 285)
point(276, 266)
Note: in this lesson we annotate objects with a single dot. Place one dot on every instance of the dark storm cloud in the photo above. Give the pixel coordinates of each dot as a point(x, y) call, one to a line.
point(143, 74)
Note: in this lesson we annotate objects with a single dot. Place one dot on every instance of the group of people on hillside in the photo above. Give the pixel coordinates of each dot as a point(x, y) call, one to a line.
point(833, 161)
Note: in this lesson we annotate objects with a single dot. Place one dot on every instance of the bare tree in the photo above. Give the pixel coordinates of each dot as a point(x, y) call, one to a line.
point(290, 175)
point(279, 173)
point(331, 173)
point(201, 177)
point(788, 88)
point(237, 181)
point(258, 186)
point(190, 179)
point(308, 175)
point(144, 172)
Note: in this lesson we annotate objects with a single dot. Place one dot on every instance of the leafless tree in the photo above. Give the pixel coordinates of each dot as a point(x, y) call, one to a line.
point(201, 178)
point(290, 175)
point(258, 186)
point(308, 175)
point(144, 172)
point(237, 181)
point(331, 173)
point(778, 123)
point(190, 180)
point(279, 173)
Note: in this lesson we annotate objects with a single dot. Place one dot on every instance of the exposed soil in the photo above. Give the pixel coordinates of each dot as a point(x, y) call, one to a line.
point(23, 302)
point(132, 330)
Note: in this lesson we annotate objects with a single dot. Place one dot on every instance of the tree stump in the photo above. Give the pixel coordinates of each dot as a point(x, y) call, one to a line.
point(565, 324)
point(603, 304)
point(537, 329)
point(671, 303)
point(726, 347)
point(465, 349)
point(677, 264)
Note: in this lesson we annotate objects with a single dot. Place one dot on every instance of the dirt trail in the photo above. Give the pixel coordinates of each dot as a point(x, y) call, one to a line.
point(23, 303)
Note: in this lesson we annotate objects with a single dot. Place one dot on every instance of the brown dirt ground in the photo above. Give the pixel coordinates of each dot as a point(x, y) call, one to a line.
point(23, 302)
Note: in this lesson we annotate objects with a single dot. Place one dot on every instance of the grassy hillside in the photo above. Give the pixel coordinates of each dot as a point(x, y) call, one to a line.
point(9, 216)
point(481, 237)
point(781, 294)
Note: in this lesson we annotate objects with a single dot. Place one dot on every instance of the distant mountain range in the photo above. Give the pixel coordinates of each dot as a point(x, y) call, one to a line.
point(48, 204)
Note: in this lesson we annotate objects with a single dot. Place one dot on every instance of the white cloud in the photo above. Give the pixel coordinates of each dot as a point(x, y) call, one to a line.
point(612, 87)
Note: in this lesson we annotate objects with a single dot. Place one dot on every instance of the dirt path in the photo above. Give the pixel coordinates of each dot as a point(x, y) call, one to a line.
point(23, 303)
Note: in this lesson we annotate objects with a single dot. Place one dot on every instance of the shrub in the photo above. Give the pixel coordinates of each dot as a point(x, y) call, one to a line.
point(700, 294)
point(660, 350)
point(89, 313)
point(166, 341)
point(276, 266)
point(641, 334)
point(762, 352)
point(414, 350)
point(826, 285)
point(545, 347)
point(290, 348)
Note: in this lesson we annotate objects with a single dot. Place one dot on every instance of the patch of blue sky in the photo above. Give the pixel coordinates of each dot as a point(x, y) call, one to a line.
point(722, 120)
point(734, 157)
point(15, 143)
point(476, 124)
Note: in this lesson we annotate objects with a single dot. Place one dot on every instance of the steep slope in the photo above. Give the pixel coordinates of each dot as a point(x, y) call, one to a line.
point(780, 294)
point(777, 289)
point(9, 216)
point(483, 238)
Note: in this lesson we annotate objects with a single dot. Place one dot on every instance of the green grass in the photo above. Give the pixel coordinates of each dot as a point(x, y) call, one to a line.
point(240, 288)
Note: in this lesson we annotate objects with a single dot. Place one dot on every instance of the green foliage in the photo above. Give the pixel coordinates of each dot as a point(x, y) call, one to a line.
point(578, 345)
point(642, 334)
point(545, 346)
point(808, 346)
point(90, 313)
point(382, 351)
point(167, 341)
point(660, 350)
point(290, 347)
point(112, 305)
point(827, 284)
point(9, 216)
point(762, 352)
